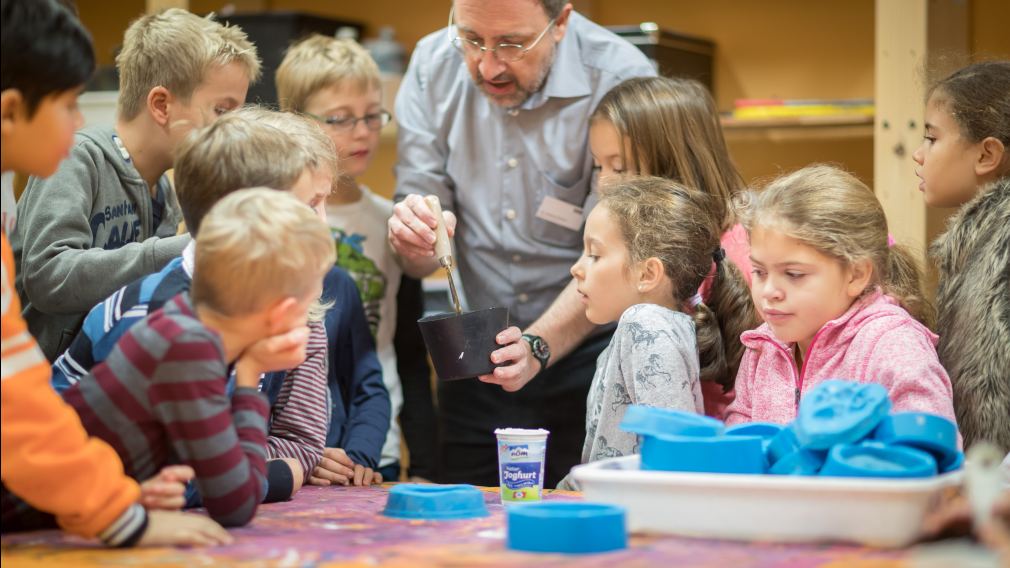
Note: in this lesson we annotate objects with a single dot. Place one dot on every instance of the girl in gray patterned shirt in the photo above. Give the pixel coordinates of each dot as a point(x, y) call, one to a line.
point(648, 245)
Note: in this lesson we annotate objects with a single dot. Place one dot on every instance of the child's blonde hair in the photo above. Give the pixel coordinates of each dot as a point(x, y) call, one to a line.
point(320, 61)
point(310, 140)
point(248, 147)
point(257, 246)
point(680, 227)
point(674, 129)
point(829, 209)
point(175, 49)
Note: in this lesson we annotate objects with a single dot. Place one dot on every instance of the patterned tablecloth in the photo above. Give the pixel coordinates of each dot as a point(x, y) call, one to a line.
point(344, 526)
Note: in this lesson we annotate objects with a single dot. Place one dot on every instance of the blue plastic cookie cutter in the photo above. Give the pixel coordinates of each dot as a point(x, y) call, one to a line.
point(717, 454)
point(566, 527)
point(840, 412)
point(878, 460)
point(435, 502)
point(934, 434)
point(645, 420)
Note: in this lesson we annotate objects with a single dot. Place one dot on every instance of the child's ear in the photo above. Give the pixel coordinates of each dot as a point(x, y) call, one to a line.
point(991, 154)
point(860, 274)
point(277, 315)
point(158, 101)
point(651, 276)
point(11, 109)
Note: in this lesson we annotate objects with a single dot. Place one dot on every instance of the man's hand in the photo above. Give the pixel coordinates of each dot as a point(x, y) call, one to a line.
point(411, 228)
point(275, 353)
point(336, 468)
point(522, 367)
point(167, 490)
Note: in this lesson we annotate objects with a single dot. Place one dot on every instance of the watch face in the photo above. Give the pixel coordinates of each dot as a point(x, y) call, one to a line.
point(540, 348)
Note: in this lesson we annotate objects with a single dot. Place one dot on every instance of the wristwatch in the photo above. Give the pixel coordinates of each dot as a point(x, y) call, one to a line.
point(540, 349)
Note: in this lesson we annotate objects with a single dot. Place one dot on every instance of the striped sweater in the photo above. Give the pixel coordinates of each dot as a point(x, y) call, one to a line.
point(160, 398)
point(301, 407)
point(43, 440)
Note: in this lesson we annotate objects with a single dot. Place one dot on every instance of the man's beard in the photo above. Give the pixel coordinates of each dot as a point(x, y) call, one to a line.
point(522, 92)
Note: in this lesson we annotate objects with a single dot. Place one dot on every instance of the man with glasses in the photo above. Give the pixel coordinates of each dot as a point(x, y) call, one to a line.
point(493, 119)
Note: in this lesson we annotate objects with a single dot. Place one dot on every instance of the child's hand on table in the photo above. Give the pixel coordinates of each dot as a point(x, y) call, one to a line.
point(170, 528)
point(167, 489)
point(337, 468)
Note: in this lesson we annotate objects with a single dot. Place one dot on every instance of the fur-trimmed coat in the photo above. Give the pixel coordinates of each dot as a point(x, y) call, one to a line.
point(973, 308)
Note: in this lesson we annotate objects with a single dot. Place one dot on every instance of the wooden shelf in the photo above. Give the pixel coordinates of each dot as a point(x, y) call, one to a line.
point(798, 127)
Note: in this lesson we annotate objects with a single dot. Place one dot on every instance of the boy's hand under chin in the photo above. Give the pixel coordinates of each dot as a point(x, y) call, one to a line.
point(275, 353)
point(167, 490)
point(336, 468)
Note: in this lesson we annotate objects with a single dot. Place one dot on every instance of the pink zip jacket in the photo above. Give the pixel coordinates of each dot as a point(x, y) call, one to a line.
point(876, 340)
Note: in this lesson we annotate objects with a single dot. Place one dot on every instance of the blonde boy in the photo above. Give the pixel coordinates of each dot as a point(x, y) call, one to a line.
point(249, 147)
point(258, 269)
point(337, 83)
point(108, 215)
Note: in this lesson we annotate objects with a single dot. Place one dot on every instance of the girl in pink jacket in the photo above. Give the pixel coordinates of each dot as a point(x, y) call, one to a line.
point(837, 300)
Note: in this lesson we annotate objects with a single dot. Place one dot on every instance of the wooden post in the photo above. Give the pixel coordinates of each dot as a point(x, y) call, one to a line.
point(917, 42)
point(152, 6)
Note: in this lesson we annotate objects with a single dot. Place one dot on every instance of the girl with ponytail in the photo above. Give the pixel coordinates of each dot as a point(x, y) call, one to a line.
point(838, 300)
point(648, 244)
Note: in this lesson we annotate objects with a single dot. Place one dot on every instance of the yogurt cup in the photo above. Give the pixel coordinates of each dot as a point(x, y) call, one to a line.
point(521, 456)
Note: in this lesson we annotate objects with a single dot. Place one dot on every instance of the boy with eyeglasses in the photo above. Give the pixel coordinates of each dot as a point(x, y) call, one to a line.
point(336, 82)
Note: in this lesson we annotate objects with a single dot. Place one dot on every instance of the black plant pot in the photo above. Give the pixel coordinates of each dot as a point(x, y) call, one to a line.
point(460, 345)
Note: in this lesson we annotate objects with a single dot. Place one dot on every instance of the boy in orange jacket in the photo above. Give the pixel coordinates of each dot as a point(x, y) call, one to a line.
point(47, 459)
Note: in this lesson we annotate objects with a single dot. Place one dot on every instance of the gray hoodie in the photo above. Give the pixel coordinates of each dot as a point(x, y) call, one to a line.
point(86, 231)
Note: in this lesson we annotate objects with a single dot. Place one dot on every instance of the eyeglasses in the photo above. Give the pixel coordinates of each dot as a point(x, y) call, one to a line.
point(505, 52)
point(373, 121)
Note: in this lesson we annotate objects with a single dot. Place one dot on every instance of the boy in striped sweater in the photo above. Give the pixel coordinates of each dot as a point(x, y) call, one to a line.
point(336, 397)
point(161, 396)
point(245, 148)
point(47, 57)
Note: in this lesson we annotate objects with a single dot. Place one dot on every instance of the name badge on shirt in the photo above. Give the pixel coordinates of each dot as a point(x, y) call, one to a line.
point(553, 210)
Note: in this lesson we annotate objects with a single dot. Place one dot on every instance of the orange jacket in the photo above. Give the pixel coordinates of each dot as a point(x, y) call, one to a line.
point(47, 457)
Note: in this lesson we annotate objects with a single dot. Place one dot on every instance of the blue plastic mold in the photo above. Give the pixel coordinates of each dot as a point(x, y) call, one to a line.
point(435, 502)
point(955, 465)
point(840, 412)
point(934, 434)
point(877, 460)
point(800, 462)
point(646, 420)
point(764, 430)
point(722, 454)
point(783, 444)
point(566, 527)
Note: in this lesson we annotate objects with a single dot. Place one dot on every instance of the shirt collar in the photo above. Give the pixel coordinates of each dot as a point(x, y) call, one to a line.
point(189, 258)
point(567, 77)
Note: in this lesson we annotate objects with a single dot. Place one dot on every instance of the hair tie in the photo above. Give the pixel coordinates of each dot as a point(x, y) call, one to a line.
point(890, 241)
point(718, 255)
point(695, 300)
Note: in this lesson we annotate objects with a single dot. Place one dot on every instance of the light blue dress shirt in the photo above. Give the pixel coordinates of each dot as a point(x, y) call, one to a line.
point(493, 166)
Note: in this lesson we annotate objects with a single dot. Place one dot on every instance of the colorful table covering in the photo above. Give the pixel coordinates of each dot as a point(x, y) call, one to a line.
point(338, 526)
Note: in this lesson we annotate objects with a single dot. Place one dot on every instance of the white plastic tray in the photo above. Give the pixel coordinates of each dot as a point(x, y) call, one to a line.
point(874, 512)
